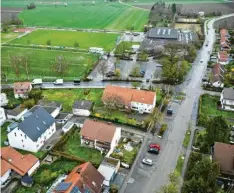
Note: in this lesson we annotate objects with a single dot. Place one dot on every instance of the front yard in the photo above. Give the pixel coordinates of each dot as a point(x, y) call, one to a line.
point(4, 133)
point(209, 106)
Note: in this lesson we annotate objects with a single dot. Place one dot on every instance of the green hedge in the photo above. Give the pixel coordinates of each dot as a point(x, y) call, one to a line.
point(162, 129)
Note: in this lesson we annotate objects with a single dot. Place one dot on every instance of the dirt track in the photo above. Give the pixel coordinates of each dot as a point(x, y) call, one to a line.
point(225, 8)
point(6, 13)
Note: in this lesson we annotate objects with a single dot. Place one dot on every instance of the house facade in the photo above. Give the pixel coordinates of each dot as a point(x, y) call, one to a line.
point(223, 58)
point(14, 162)
point(82, 107)
point(2, 116)
point(218, 76)
point(130, 99)
point(32, 133)
point(21, 89)
point(16, 113)
point(3, 99)
point(83, 179)
point(227, 99)
point(100, 135)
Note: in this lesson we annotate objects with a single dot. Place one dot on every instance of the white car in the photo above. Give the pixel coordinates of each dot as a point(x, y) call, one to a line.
point(148, 162)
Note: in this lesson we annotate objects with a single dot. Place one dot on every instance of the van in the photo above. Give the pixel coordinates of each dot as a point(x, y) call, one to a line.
point(76, 82)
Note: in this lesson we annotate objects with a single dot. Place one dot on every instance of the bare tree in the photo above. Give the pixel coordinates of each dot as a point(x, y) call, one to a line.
point(14, 60)
point(61, 65)
point(102, 68)
point(172, 50)
point(24, 61)
point(114, 101)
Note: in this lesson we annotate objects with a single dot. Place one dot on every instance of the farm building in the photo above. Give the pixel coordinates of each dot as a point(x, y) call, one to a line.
point(163, 33)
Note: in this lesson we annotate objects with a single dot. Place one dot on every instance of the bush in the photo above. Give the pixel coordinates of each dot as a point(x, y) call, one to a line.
point(162, 130)
point(31, 6)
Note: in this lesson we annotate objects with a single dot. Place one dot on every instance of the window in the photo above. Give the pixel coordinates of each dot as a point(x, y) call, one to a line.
point(25, 136)
point(21, 135)
point(22, 140)
point(15, 133)
point(23, 145)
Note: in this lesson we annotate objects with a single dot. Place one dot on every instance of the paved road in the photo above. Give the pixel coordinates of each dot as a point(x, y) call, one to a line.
point(149, 180)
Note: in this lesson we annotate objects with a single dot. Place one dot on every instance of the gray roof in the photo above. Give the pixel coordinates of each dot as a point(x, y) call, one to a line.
point(48, 109)
point(36, 124)
point(16, 111)
point(163, 33)
point(49, 103)
point(82, 104)
point(228, 93)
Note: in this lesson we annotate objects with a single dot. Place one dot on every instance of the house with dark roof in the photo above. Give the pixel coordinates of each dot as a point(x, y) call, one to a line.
point(227, 99)
point(13, 161)
point(100, 135)
point(32, 133)
point(82, 107)
point(52, 110)
point(48, 103)
point(16, 113)
point(83, 179)
point(21, 89)
point(163, 33)
point(223, 154)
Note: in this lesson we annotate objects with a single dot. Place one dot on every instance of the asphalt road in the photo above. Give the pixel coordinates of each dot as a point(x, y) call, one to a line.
point(150, 179)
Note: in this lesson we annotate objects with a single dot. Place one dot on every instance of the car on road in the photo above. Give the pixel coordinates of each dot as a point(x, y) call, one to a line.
point(147, 161)
point(201, 60)
point(158, 65)
point(155, 145)
point(153, 150)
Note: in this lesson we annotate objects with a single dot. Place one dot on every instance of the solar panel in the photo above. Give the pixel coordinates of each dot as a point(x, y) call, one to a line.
point(75, 189)
point(63, 186)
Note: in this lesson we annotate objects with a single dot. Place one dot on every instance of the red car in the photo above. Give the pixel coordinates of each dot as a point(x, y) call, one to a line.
point(154, 145)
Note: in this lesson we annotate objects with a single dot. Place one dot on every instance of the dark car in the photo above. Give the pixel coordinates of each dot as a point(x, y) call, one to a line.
point(153, 150)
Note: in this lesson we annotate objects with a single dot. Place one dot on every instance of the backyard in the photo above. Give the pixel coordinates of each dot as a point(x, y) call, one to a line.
point(209, 107)
point(4, 133)
point(41, 63)
point(68, 38)
point(46, 175)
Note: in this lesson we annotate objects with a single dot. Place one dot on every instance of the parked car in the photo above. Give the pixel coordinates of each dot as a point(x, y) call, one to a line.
point(155, 145)
point(153, 150)
point(142, 72)
point(148, 162)
point(201, 60)
point(76, 82)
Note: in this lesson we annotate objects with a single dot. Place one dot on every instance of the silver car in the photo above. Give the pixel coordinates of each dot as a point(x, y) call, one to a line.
point(148, 162)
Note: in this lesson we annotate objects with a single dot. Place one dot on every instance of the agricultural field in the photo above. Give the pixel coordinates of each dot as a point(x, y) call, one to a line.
point(6, 37)
point(150, 2)
point(41, 63)
point(68, 38)
point(185, 26)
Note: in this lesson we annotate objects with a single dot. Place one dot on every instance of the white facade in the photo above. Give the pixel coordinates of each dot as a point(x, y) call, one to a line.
point(18, 116)
point(35, 166)
point(18, 139)
point(3, 99)
point(67, 126)
point(55, 112)
point(2, 116)
point(108, 173)
point(218, 84)
point(142, 107)
point(81, 112)
point(5, 176)
point(226, 104)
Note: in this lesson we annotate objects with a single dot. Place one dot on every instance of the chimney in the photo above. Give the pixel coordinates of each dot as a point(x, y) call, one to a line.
point(22, 157)
point(10, 160)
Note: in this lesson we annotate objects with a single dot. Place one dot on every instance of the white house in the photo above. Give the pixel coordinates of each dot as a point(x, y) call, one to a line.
point(109, 168)
point(130, 99)
point(227, 99)
point(2, 116)
point(3, 99)
point(82, 108)
point(21, 89)
point(14, 162)
point(100, 135)
point(67, 126)
point(32, 133)
point(16, 113)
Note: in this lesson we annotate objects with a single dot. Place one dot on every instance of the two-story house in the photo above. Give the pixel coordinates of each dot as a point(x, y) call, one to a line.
point(218, 76)
point(14, 162)
point(21, 89)
point(223, 57)
point(227, 99)
point(82, 179)
point(100, 135)
point(129, 99)
point(32, 133)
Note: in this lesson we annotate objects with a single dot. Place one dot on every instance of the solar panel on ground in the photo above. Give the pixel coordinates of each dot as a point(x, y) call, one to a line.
point(63, 186)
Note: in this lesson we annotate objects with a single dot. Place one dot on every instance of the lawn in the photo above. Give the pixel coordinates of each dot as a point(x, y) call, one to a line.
point(209, 107)
point(126, 45)
point(68, 96)
point(130, 18)
point(187, 136)
point(68, 38)
point(180, 164)
point(41, 63)
point(5, 37)
point(4, 133)
point(46, 175)
point(72, 147)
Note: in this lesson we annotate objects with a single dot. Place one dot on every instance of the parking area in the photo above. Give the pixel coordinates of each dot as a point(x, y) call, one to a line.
point(174, 106)
point(133, 37)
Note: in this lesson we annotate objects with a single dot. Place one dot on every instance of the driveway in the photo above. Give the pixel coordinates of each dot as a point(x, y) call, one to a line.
point(151, 180)
point(132, 38)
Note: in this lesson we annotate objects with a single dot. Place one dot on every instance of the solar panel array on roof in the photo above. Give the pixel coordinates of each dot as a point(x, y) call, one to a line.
point(75, 189)
point(163, 33)
point(63, 186)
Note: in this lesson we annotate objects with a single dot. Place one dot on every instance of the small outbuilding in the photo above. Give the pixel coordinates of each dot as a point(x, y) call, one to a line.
point(82, 107)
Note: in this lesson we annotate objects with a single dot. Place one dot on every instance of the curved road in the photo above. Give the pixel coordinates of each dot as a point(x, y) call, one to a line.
point(150, 179)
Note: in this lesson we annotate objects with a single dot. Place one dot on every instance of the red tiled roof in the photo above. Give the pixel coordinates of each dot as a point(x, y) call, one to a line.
point(21, 87)
point(216, 72)
point(128, 95)
point(224, 155)
point(12, 159)
point(84, 175)
point(98, 130)
point(223, 31)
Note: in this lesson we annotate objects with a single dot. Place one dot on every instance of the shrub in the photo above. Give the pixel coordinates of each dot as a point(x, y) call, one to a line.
point(163, 129)
point(31, 6)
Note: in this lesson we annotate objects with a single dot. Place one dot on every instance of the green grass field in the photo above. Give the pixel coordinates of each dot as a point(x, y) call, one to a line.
point(41, 61)
point(68, 38)
point(6, 37)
